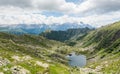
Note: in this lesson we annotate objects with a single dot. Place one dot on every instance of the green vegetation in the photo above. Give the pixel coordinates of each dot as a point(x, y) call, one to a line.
point(65, 35)
point(30, 54)
point(103, 44)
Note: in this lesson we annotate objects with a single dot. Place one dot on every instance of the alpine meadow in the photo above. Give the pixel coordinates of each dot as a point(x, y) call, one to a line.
point(59, 37)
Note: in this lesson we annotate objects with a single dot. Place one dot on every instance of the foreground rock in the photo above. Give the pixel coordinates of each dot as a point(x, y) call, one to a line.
point(19, 70)
point(4, 61)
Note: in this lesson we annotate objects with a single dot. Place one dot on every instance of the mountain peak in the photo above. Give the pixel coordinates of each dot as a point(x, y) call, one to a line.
point(38, 28)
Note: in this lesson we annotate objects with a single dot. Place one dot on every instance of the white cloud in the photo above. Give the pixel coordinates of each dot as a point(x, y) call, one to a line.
point(99, 6)
point(16, 3)
point(100, 20)
point(48, 5)
point(20, 17)
point(88, 6)
point(99, 12)
point(29, 18)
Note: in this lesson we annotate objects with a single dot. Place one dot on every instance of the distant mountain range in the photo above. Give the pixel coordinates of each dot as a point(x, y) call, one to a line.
point(38, 28)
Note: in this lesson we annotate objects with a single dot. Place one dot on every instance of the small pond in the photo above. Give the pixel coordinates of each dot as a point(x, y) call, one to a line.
point(76, 60)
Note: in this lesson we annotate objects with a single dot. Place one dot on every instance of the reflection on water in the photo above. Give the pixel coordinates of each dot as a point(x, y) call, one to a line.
point(76, 60)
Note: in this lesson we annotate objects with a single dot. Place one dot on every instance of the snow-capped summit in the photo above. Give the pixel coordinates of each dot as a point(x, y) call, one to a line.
point(38, 28)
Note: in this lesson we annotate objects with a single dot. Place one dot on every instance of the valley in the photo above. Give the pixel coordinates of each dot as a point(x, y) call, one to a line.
point(46, 53)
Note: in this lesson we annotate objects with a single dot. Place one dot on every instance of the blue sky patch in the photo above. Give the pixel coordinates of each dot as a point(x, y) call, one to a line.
point(75, 1)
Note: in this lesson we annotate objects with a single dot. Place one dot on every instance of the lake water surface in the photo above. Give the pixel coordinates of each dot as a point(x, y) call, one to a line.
point(76, 60)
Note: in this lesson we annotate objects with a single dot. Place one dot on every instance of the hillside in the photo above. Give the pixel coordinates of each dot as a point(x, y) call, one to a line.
point(31, 54)
point(65, 35)
point(103, 44)
point(107, 37)
point(27, 54)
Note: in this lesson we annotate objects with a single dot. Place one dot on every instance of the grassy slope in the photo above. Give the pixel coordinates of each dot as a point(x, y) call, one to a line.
point(103, 45)
point(69, 34)
point(38, 48)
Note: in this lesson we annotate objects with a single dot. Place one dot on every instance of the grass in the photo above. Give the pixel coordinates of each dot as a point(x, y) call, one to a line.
point(103, 47)
point(12, 45)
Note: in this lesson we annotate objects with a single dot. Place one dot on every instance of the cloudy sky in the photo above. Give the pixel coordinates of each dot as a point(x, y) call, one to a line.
point(94, 12)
